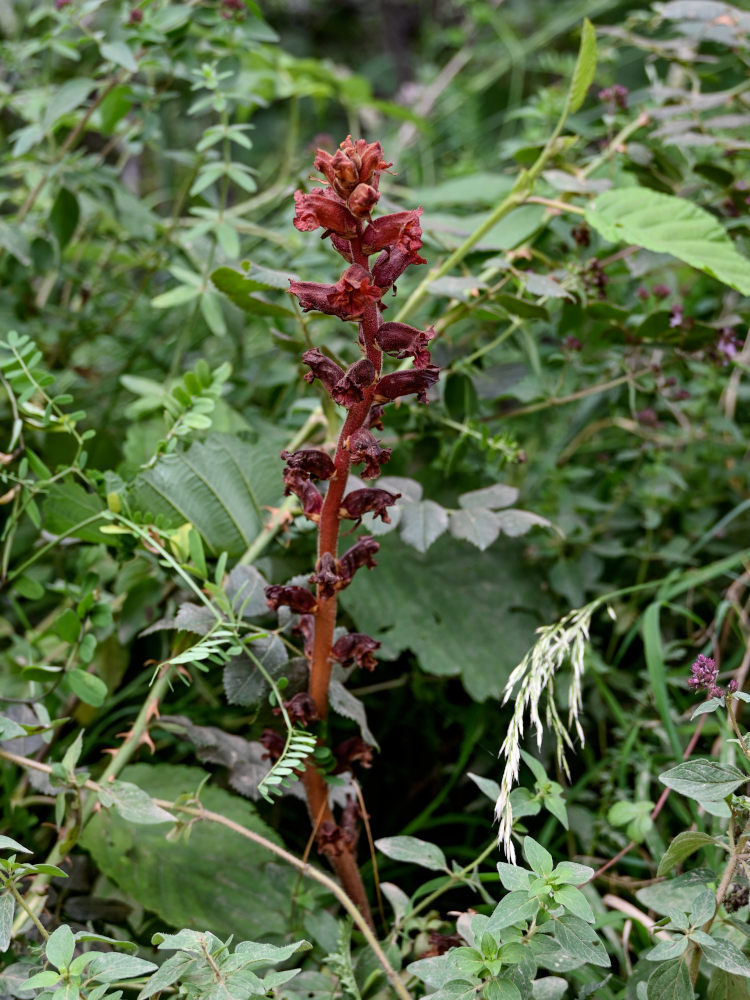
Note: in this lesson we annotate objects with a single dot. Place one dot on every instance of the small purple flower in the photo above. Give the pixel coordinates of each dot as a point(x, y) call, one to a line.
point(728, 344)
point(677, 316)
point(661, 291)
point(703, 674)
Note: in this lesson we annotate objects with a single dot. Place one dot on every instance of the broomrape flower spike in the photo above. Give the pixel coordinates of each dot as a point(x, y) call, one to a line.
point(376, 252)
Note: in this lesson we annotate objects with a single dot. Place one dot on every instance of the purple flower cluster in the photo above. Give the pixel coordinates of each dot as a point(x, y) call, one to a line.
point(703, 674)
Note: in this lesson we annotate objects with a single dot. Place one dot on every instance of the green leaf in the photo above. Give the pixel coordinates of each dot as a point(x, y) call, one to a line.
point(7, 908)
point(133, 804)
point(583, 74)
point(60, 946)
point(244, 684)
point(703, 779)
point(728, 986)
point(475, 525)
point(491, 497)
point(725, 955)
point(110, 966)
point(413, 850)
point(422, 523)
point(676, 893)
point(512, 877)
point(455, 583)
point(229, 875)
point(667, 224)
point(9, 844)
point(176, 967)
point(220, 485)
point(539, 859)
point(63, 217)
point(66, 97)
point(67, 507)
point(578, 939)
point(671, 981)
point(344, 703)
point(88, 687)
point(243, 291)
point(120, 54)
point(575, 902)
point(176, 296)
point(501, 989)
point(666, 950)
point(67, 625)
point(41, 979)
point(513, 908)
point(683, 845)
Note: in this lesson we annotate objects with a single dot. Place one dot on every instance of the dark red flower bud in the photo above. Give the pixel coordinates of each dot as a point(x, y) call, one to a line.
point(312, 461)
point(136, 16)
point(355, 647)
point(300, 709)
point(391, 264)
point(359, 502)
point(351, 751)
point(364, 447)
point(397, 231)
point(362, 200)
point(359, 555)
point(327, 576)
point(349, 388)
point(299, 599)
point(321, 207)
point(274, 744)
point(299, 483)
point(397, 384)
point(346, 173)
point(322, 367)
point(402, 341)
point(375, 417)
point(312, 295)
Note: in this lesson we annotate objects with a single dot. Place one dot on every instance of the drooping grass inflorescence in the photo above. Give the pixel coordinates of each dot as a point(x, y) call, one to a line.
point(376, 253)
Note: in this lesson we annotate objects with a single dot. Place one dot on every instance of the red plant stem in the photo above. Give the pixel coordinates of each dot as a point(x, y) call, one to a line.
point(316, 790)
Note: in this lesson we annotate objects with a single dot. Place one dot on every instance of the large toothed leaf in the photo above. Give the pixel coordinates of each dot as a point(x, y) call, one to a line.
point(667, 224)
point(465, 601)
point(220, 485)
point(227, 873)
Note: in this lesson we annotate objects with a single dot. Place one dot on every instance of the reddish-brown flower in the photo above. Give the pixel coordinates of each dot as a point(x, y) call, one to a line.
point(352, 751)
point(402, 341)
point(322, 367)
point(327, 576)
point(347, 299)
point(300, 484)
point(331, 840)
point(359, 555)
point(359, 162)
point(391, 264)
point(414, 380)
point(273, 743)
point(321, 207)
point(350, 387)
point(312, 461)
point(299, 599)
point(362, 200)
point(300, 708)
point(397, 231)
point(355, 647)
point(364, 447)
point(360, 502)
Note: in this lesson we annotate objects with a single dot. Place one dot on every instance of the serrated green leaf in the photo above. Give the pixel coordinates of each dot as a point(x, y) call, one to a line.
point(666, 224)
point(132, 803)
point(422, 523)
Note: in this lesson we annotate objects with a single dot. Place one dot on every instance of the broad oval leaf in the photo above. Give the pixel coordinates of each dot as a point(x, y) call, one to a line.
point(414, 850)
point(667, 224)
point(514, 908)
point(683, 845)
point(475, 525)
point(703, 779)
point(422, 523)
point(671, 981)
point(725, 955)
